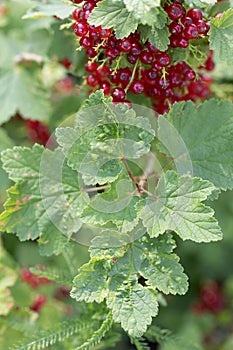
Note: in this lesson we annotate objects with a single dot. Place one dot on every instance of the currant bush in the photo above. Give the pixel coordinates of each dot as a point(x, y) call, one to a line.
point(121, 66)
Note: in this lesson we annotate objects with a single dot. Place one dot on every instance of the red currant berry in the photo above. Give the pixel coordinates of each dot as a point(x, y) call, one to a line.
point(137, 87)
point(85, 42)
point(190, 75)
point(182, 42)
point(92, 80)
point(103, 72)
point(195, 14)
point(80, 29)
point(175, 28)
point(91, 66)
point(112, 53)
point(91, 52)
point(186, 21)
point(152, 48)
point(132, 59)
point(105, 33)
point(124, 76)
point(118, 94)
point(163, 59)
point(78, 15)
point(146, 57)
point(191, 32)
point(136, 49)
point(175, 11)
point(201, 27)
point(89, 5)
point(105, 86)
point(125, 45)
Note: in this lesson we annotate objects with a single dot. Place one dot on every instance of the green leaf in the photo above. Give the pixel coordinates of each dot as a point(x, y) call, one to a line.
point(161, 269)
point(160, 37)
point(207, 131)
point(114, 14)
point(200, 3)
point(91, 282)
point(220, 37)
point(177, 206)
point(43, 195)
point(7, 279)
point(59, 8)
point(133, 306)
point(118, 205)
point(105, 135)
point(145, 11)
point(20, 93)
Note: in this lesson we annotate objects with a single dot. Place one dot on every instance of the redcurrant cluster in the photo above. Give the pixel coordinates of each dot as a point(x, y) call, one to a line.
point(211, 299)
point(38, 132)
point(147, 70)
point(33, 280)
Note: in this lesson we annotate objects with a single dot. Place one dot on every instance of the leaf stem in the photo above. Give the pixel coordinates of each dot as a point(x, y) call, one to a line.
point(95, 189)
point(139, 189)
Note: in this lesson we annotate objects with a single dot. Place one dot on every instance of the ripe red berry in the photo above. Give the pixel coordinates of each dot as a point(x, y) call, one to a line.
point(125, 45)
point(92, 80)
point(175, 11)
point(163, 59)
point(91, 66)
point(85, 42)
point(146, 57)
point(191, 32)
point(201, 27)
point(118, 94)
point(80, 29)
point(105, 86)
point(38, 303)
point(175, 28)
point(186, 21)
point(137, 87)
point(136, 49)
point(195, 14)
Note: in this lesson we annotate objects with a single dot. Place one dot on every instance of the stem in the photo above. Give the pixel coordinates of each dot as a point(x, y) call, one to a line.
point(95, 189)
point(133, 75)
point(139, 189)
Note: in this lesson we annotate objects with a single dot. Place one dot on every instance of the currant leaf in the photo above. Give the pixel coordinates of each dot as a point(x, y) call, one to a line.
point(220, 37)
point(161, 269)
point(16, 97)
point(160, 37)
point(114, 14)
point(207, 131)
point(177, 206)
point(91, 282)
point(146, 11)
point(133, 306)
point(43, 195)
point(119, 206)
point(103, 137)
point(61, 9)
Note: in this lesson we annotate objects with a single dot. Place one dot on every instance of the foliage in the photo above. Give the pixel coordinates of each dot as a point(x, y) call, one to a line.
point(113, 177)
